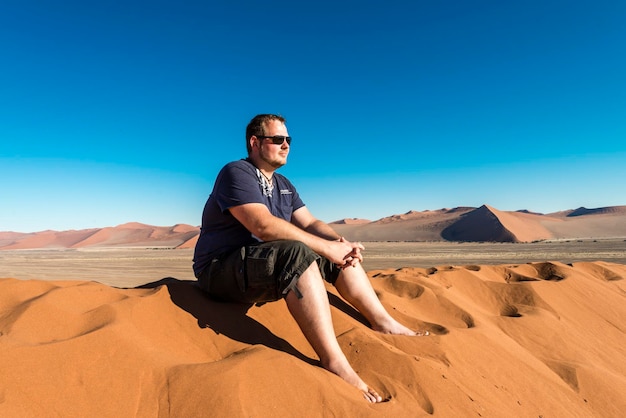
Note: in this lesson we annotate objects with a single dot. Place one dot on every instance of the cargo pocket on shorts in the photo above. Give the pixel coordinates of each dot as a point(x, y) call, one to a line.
point(260, 281)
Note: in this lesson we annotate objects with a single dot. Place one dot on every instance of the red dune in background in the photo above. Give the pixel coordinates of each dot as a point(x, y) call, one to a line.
point(483, 224)
point(487, 224)
point(131, 234)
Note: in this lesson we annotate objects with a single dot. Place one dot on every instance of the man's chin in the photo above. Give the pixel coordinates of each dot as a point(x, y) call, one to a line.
point(278, 164)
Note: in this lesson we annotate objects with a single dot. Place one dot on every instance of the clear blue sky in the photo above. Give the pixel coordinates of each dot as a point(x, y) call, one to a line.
point(118, 111)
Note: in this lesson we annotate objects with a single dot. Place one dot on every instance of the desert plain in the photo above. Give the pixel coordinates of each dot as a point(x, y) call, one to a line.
point(517, 329)
point(133, 266)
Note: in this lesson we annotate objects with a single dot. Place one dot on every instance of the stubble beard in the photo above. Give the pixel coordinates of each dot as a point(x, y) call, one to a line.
point(274, 162)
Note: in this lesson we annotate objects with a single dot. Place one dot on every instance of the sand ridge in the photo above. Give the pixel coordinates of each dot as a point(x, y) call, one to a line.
point(532, 339)
point(131, 234)
point(464, 224)
point(488, 224)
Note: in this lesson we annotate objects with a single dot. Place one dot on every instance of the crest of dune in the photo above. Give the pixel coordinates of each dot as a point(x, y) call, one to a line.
point(483, 224)
point(489, 224)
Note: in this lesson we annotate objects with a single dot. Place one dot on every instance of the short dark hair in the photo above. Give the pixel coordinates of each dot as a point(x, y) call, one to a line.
point(256, 127)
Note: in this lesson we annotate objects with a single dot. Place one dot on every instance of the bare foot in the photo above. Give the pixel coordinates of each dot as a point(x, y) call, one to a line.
point(391, 326)
point(347, 373)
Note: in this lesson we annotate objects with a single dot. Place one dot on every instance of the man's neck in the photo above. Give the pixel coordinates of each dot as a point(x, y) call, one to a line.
point(266, 169)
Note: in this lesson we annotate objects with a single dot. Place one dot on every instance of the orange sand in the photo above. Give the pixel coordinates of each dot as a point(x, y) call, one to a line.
point(541, 339)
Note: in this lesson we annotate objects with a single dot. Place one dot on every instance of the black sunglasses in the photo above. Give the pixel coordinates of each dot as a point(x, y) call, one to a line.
point(276, 139)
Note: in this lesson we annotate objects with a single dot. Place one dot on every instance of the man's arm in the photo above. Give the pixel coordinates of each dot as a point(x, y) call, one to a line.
point(257, 219)
point(303, 219)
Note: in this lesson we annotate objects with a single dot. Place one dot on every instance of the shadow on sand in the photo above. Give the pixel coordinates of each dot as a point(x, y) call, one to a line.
point(231, 319)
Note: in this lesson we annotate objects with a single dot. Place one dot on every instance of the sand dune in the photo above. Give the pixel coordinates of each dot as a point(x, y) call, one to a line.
point(190, 243)
point(125, 235)
point(492, 225)
point(45, 239)
point(483, 224)
point(353, 221)
point(619, 210)
point(540, 339)
point(487, 224)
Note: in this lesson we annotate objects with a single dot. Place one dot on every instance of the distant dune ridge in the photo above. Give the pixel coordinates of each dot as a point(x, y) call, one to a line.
point(132, 234)
point(483, 224)
point(490, 225)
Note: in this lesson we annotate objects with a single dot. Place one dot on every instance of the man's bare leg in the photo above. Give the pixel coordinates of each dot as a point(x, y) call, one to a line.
point(312, 313)
point(354, 286)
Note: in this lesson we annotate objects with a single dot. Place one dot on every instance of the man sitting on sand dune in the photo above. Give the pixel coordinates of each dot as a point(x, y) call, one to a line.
point(260, 243)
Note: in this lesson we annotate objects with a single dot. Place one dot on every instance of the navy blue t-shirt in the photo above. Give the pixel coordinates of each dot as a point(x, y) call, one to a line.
point(238, 183)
